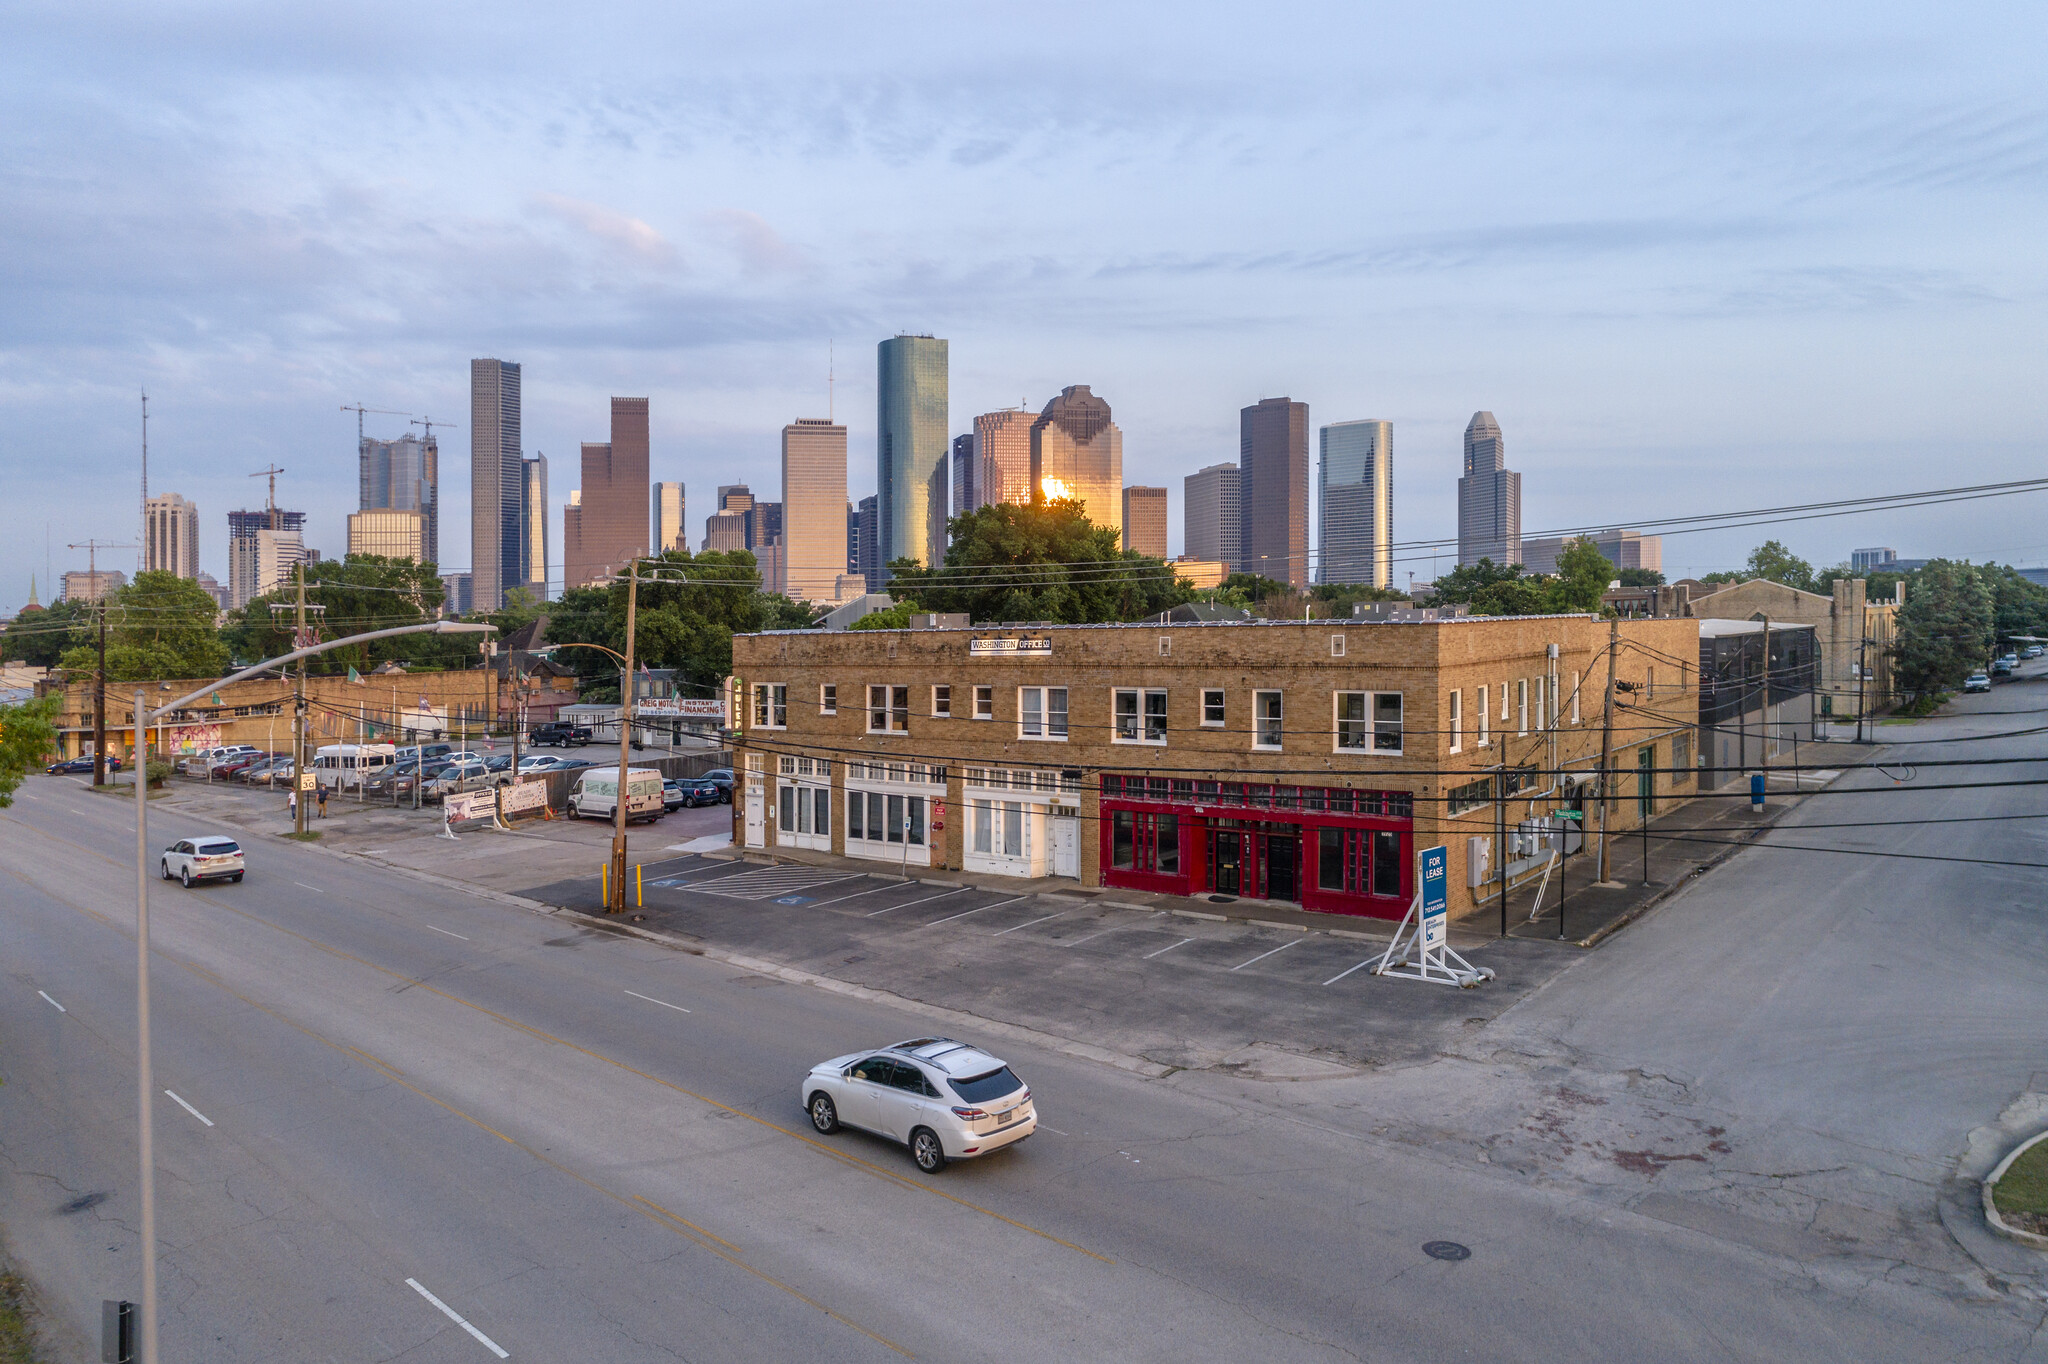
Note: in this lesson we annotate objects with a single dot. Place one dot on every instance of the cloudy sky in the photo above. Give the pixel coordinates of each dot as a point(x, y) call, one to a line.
point(1739, 256)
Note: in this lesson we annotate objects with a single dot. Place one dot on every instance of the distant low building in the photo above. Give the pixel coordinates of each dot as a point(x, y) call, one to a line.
point(1622, 548)
point(91, 585)
point(391, 534)
point(1201, 574)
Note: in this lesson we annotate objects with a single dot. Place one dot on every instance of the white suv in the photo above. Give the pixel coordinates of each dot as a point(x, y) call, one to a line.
point(943, 1099)
point(192, 860)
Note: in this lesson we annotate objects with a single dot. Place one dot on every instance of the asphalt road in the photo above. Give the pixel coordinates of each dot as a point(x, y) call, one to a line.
point(589, 1147)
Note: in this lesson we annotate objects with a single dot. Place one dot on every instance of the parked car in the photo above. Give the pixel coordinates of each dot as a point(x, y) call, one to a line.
point(226, 769)
point(2002, 667)
point(943, 1099)
point(691, 792)
point(193, 860)
point(722, 778)
point(501, 763)
point(560, 734)
point(419, 753)
point(83, 764)
point(597, 794)
point(1977, 681)
point(2031, 651)
point(456, 778)
point(397, 782)
point(200, 763)
point(262, 762)
point(550, 762)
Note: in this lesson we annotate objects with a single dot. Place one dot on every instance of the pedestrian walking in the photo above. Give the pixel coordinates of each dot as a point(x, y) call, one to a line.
point(291, 805)
point(323, 802)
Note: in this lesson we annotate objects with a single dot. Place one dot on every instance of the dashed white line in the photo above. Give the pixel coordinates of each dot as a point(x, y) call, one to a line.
point(908, 903)
point(1162, 951)
point(443, 930)
point(54, 1004)
point(1348, 970)
point(1027, 924)
point(1263, 955)
point(976, 910)
point(662, 1002)
point(303, 886)
point(190, 1109)
point(456, 1317)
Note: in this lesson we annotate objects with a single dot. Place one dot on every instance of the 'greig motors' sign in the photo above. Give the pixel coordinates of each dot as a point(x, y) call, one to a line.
point(1009, 646)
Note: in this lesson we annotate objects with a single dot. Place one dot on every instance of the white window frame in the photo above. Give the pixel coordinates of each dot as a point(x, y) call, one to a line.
point(1042, 708)
point(1521, 706)
point(942, 701)
point(1577, 679)
point(1505, 714)
point(828, 698)
point(1260, 720)
point(1457, 719)
point(771, 700)
point(984, 701)
point(1372, 732)
point(894, 709)
point(1221, 707)
point(1485, 716)
point(1142, 729)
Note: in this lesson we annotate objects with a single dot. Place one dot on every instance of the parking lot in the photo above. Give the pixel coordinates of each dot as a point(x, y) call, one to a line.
point(1169, 987)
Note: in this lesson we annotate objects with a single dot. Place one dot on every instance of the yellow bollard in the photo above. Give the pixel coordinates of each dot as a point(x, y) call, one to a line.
point(639, 901)
point(604, 883)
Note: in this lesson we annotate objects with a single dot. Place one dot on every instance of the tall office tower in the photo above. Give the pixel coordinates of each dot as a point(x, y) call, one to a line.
point(667, 514)
point(533, 526)
point(725, 532)
point(1489, 498)
point(813, 508)
point(734, 497)
point(1272, 461)
point(247, 556)
point(572, 536)
point(1002, 448)
point(764, 524)
point(1355, 523)
point(1077, 452)
point(966, 493)
point(911, 448)
point(172, 525)
point(870, 568)
point(613, 529)
point(494, 480)
point(391, 534)
point(1209, 516)
point(403, 475)
point(1145, 521)
point(852, 539)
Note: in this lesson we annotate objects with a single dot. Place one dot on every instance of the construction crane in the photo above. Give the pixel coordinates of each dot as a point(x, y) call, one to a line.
point(429, 423)
point(271, 504)
point(359, 410)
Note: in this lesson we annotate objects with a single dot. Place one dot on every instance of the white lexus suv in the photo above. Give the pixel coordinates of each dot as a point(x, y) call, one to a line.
point(943, 1099)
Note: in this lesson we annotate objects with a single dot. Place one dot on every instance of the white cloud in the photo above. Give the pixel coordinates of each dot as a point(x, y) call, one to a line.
point(631, 235)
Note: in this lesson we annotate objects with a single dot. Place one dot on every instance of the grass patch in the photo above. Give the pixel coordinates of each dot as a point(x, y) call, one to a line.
point(1921, 706)
point(17, 1329)
point(307, 837)
point(2023, 1192)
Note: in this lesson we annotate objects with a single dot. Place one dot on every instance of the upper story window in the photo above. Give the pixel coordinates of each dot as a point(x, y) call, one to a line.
point(984, 703)
point(771, 705)
point(1457, 721)
point(1042, 713)
point(1368, 721)
point(1521, 705)
point(828, 699)
point(1140, 716)
point(1212, 707)
point(888, 710)
point(942, 703)
point(1485, 734)
point(1267, 721)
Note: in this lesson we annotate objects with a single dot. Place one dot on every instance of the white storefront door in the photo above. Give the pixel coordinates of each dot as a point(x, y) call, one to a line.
point(1066, 846)
point(804, 815)
point(757, 822)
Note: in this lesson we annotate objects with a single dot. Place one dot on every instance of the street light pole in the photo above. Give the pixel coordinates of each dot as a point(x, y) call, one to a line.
point(145, 1080)
point(617, 898)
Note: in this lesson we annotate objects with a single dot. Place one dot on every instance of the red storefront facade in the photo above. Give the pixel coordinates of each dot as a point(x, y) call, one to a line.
point(1333, 849)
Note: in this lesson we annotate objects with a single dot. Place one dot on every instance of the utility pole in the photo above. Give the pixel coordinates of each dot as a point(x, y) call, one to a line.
point(299, 764)
point(1606, 745)
point(618, 876)
point(99, 701)
point(142, 548)
point(1862, 667)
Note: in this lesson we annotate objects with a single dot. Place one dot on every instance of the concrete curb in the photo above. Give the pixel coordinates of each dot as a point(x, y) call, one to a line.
point(1999, 1224)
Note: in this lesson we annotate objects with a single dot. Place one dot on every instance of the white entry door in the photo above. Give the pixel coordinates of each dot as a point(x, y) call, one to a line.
point(757, 823)
point(1066, 846)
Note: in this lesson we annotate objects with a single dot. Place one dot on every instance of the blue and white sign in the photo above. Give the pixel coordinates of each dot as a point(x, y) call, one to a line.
point(1435, 905)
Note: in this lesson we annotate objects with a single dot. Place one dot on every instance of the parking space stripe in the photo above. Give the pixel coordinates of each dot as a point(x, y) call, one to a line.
point(1164, 950)
point(976, 910)
point(1263, 955)
point(1111, 929)
point(908, 903)
point(1027, 923)
point(53, 1003)
point(662, 1002)
point(854, 896)
point(456, 1317)
point(1348, 970)
point(190, 1109)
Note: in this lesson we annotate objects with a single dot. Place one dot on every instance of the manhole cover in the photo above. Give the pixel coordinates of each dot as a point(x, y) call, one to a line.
point(1446, 1250)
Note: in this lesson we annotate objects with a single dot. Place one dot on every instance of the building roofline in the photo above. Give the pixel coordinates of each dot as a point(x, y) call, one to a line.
point(1340, 622)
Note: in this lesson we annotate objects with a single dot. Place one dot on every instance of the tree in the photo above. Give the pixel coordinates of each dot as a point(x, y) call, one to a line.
point(1946, 628)
point(2019, 606)
point(360, 593)
point(690, 606)
point(1640, 577)
point(160, 625)
point(39, 638)
point(1773, 561)
point(1045, 561)
point(28, 735)
point(896, 617)
point(1583, 574)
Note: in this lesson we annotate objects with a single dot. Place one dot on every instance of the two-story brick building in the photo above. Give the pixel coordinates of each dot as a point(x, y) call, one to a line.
point(1300, 761)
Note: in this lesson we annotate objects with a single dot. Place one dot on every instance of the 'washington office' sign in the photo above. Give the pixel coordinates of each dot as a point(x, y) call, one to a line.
point(1009, 646)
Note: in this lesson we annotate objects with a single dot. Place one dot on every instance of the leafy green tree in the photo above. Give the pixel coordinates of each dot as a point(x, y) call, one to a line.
point(1467, 581)
point(1773, 561)
point(360, 593)
point(1583, 574)
point(1045, 561)
point(690, 606)
point(1946, 627)
point(1640, 577)
point(2019, 605)
point(160, 625)
point(28, 735)
point(40, 638)
point(785, 613)
point(896, 617)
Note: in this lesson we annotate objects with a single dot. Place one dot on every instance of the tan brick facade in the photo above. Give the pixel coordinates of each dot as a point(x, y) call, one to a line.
point(1334, 751)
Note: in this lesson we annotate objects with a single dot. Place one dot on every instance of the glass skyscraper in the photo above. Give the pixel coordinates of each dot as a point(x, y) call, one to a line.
point(912, 448)
point(533, 526)
point(1077, 452)
point(403, 475)
point(1489, 498)
point(495, 481)
point(1355, 526)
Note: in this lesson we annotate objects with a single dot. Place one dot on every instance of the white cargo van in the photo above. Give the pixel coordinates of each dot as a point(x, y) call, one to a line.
point(597, 794)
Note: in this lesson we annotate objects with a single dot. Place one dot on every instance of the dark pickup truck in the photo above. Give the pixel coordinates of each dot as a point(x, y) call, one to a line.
point(560, 735)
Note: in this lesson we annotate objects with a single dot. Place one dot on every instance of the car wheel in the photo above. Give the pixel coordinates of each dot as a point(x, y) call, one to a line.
point(186, 877)
point(926, 1150)
point(236, 878)
point(167, 869)
point(824, 1114)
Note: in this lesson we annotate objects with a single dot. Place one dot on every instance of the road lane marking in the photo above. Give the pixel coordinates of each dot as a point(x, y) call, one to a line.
point(855, 896)
point(190, 1109)
point(456, 1317)
point(1164, 950)
point(976, 910)
point(1348, 970)
point(908, 903)
point(443, 930)
point(662, 1002)
point(1263, 955)
point(1028, 924)
point(54, 1004)
point(303, 886)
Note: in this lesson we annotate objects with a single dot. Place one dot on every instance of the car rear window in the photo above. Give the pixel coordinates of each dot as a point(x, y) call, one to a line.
point(217, 849)
point(980, 1089)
